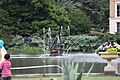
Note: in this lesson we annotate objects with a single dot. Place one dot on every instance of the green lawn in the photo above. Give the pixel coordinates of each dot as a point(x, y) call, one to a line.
point(48, 78)
point(83, 78)
point(101, 78)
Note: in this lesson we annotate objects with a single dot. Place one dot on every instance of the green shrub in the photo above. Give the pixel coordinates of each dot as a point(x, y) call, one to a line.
point(82, 43)
point(110, 37)
point(25, 50)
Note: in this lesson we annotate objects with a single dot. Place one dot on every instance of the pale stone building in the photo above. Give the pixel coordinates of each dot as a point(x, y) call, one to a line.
point(114, 17)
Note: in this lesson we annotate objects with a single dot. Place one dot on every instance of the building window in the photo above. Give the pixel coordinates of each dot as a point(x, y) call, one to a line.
point(118, 26)
point(118, 10)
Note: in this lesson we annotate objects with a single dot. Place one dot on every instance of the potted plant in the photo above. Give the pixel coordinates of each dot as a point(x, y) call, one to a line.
point(109, 54)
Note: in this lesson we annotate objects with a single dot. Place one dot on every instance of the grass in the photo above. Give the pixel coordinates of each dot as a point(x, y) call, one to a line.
point(101, 78)
point(83, 78)
point(47, 78)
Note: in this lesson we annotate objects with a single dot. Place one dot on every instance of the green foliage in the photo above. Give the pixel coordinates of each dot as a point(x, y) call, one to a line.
point(25, 50)
point(117, 38)
point(110, 37)
point(51, 16)
point(5, 21)
point(82, 43)
point(69, 70)
point(98, 10)
point(31, 16)
point(67, 4)
point(86, 43)
point(80, 23)
point(17, 45)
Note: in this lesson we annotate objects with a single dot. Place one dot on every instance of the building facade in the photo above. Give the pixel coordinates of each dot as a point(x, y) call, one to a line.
point(114, 17)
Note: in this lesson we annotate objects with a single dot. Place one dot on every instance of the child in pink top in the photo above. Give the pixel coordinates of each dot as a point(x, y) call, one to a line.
point(5, 66)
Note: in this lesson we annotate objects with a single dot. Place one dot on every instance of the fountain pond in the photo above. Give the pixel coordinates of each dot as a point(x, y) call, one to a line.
point(40, 60)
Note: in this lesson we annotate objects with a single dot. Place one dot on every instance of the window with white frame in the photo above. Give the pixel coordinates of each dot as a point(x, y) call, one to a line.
point(118, 9)
point(118, 26)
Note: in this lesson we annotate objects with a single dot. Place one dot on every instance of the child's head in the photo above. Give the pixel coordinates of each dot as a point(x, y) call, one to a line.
point(7, 56)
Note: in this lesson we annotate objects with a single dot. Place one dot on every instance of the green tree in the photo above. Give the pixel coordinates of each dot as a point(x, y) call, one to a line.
point(80, 23)
point(30, 16)
point(97, 10)
point(66, 4)
point(20, 13)
point(52, 16)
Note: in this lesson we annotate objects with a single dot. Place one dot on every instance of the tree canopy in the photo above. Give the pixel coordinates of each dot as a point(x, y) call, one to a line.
point(31, 16)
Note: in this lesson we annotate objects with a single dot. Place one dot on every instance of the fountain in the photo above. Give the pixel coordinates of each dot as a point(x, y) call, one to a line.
point(53, 46)
point(56, 52)
point(53, 50)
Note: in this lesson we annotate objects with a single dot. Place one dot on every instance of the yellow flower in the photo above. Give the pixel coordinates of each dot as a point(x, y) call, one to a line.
point(112, 50)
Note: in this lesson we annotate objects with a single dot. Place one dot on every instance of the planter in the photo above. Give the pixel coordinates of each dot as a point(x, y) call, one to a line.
point(109, 56)
point(110, 69)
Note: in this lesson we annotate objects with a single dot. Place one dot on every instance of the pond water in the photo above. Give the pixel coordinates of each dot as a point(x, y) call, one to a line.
point(39, 60)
